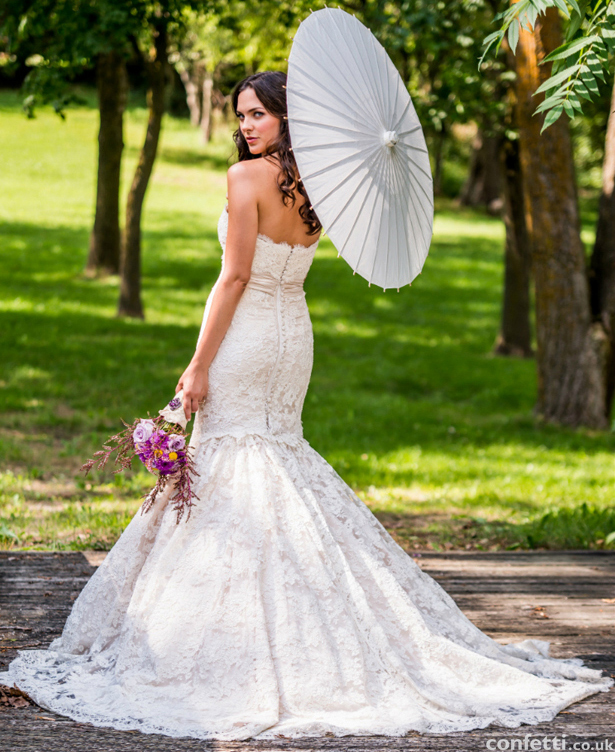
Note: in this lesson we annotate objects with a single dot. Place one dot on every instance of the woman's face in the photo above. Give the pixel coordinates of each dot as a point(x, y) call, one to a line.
point(259, 127)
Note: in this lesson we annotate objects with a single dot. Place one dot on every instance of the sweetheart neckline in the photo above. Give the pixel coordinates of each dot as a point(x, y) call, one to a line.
point(262, 236)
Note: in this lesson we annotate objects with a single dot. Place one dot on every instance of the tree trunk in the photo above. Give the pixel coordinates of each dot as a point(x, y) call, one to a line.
point(112, 84)
point(515, 335)
point(483, 186)
point(570, 383)
point(602, 266)
point(206, 106)
point(130, 284)
point(192, 96)
point(438, 162)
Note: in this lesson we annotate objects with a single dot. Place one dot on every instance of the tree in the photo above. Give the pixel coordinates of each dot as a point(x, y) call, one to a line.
point(570, 381)
point(70, 36)
point(579, 63)
point(602, 265)
point(105, 239)
point(515, 337)
point(249, 34)
point(130, 303)
point(483, 186)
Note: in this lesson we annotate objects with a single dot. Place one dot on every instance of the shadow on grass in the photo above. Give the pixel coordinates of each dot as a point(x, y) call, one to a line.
point(48, 262)
point(408, 372)
point(191, 158)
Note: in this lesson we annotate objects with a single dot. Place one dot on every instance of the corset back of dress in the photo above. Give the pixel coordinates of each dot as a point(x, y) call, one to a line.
point(281, 261)
point(259, 377)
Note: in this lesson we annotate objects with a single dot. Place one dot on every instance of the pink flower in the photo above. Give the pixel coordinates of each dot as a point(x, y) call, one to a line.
point(143, 431)
point(176, 442)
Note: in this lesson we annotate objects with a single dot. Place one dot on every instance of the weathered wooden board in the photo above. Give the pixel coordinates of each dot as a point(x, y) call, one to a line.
point(567, 598)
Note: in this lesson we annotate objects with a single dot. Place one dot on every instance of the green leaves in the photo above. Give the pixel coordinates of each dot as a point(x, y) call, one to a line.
point(578, 64)
point(513, 35)
point(552, 116)
point(552, 82)
point(566, 50)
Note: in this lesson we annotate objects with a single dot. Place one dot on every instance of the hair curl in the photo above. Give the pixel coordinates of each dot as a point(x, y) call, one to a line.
point(270, 88)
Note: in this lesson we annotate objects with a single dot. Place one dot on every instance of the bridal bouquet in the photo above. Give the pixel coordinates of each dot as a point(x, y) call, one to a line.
point(160, 444)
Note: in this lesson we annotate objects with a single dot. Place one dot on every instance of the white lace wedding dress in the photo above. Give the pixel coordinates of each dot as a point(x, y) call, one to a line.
point(282, 607)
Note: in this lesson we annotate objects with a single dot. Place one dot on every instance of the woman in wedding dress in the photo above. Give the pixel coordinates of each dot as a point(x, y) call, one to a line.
point(282, 606)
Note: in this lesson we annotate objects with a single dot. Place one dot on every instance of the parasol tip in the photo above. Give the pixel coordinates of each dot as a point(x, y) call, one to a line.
point(390, 138)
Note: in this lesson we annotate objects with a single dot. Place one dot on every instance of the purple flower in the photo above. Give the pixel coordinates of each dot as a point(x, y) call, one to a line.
point(176, 442)
point(175, 403)
point(160, 439)
point(143, 431)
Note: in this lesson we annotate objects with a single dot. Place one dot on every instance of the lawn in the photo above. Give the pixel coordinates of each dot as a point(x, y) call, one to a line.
point(406, 400)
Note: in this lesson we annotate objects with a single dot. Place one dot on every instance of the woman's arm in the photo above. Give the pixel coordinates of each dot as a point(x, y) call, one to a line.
point(238, 256)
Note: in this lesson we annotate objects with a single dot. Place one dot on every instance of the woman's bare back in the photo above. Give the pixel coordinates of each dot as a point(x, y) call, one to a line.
point(282, 223)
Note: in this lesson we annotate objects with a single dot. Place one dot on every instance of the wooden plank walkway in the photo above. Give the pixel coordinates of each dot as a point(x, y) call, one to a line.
point(567, 598)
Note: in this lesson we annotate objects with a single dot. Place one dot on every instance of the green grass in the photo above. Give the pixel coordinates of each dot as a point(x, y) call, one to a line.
point(406, 400)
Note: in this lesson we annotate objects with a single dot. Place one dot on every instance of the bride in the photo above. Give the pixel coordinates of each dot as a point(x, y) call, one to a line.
point(282, 606)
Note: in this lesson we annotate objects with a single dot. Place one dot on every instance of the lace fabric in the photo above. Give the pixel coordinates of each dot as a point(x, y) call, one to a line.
point(282, 606)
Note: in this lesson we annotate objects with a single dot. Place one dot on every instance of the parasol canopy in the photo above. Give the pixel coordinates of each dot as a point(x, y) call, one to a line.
point(360, 148)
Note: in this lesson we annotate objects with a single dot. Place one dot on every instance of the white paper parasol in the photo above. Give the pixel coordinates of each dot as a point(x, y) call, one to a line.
point(360, 148)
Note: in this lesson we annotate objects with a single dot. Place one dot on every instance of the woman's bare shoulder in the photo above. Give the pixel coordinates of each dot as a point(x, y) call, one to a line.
point(249, 169)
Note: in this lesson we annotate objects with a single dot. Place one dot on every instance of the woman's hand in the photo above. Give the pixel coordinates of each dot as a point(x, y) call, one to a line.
point(195, 383)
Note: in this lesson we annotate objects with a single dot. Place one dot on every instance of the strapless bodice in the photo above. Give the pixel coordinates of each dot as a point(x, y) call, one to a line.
point(274, 263)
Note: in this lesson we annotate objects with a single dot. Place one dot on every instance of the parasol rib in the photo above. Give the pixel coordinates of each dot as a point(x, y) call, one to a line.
point(358, 110)
point(387, 167)
point(343, 160)
point(371, 216)
point(403, 194)
point(403, 114)
point(389, 159)
point(395, 224)
point(416, 164)
point(341, 183)
point(324, 105)
point(417, 222)
point(352, 195)
point(417, 127)
point(340, 145)
point(359, 96)
point(359, 59)
point(326, 126)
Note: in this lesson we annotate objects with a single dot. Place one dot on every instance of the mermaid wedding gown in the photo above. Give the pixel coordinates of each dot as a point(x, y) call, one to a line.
point(282, 607)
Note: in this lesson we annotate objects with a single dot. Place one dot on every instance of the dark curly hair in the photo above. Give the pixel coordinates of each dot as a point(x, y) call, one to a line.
point(270, 88)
